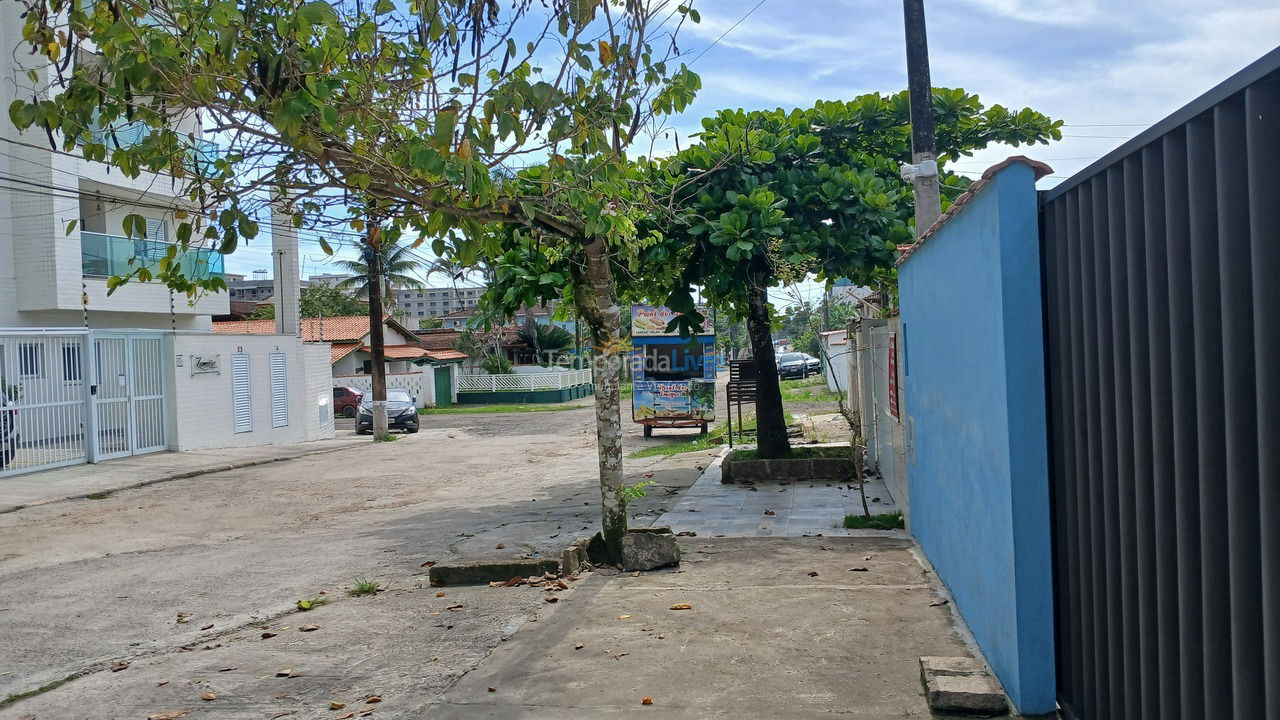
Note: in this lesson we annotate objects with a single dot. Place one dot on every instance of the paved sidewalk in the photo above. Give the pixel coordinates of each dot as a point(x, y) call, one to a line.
point(776, 628)
point(78, 481)
point(713, 509)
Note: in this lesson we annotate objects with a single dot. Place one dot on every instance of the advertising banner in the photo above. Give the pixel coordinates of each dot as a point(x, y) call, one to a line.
point(650, 321)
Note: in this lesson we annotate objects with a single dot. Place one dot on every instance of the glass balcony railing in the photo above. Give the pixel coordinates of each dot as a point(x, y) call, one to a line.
point(121, 134)
point(109, 255)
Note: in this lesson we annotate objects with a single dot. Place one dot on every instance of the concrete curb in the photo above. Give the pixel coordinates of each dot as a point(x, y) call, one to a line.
point(183, 475)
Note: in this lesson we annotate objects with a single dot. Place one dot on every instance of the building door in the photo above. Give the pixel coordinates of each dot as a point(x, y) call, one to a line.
point(444, 386)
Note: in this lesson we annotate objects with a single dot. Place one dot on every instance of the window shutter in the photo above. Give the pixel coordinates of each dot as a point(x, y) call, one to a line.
point(156, 230)
point(279, 391)
point(241, 404)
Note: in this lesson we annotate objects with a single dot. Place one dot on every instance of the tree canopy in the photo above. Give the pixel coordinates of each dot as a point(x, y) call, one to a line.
point(319, 301)
point(771, 197)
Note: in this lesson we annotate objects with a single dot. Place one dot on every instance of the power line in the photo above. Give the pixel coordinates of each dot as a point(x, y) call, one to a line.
point(726, 32)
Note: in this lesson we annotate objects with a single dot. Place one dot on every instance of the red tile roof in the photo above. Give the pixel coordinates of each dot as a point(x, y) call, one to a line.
point(1040, 169)
point(445, 355)
point(399, 352)
point(438, 338)
point(337, 351)
point(347, 328)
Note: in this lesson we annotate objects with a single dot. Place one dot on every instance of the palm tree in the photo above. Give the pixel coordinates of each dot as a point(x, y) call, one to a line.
point(397, 262)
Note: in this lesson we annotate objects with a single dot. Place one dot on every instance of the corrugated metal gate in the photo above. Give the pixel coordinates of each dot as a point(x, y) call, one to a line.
point(75, 396)
point(1162, 290)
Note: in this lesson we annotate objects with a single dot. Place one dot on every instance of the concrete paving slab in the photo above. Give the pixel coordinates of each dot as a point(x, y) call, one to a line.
point(799, 509)
point(762, 639)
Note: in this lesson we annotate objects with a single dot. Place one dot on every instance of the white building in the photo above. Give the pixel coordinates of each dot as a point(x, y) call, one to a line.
point(436, 301)
point(93, 376)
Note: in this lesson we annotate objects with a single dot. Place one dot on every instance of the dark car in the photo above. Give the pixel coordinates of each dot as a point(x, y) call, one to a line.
point(402, 414)
point(798, 365)
point(346, 400)
point(8, 431)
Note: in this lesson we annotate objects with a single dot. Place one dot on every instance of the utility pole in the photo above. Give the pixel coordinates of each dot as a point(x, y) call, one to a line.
point(924, 171)
point(378, 366)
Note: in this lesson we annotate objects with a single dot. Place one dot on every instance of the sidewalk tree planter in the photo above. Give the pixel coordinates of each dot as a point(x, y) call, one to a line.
point(828, 464)
point(767, 198)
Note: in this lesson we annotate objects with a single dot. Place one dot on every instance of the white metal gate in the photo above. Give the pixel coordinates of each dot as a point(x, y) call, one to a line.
point(72, 396)
point(44, 398)
point(128, 395)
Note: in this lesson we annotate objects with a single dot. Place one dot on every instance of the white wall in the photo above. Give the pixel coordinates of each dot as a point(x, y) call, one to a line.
point(420, 384)
point(200, 405)
point(835, 348)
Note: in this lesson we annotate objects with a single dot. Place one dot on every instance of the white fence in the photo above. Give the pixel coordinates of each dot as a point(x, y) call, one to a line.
point(420, 385)
point(531, 381)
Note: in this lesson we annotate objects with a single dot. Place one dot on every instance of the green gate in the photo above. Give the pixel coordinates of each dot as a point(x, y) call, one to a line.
point(444, 386)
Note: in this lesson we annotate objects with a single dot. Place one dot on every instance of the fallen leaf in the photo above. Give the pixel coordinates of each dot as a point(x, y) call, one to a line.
point(366, 713)
point(206, 627)
point(813, 573)
point(440, 594)
point(227, 669)
point(429, 563)
point(939, 603)
point(646, 701)
point(681, 606)
point(552, 599)
point(770, 512)
point(499, 546)
point(493, 689)
point(456, 608)
point(119, 665)
point(373, 699)
point(308, 628)
point(209, 695)
point(287, 672)
point(623, 617)
point(579, 646)
point(562, 585)
point(345, 716)
point(162, 683)
point(497, 583)
point(283, 713)
point(858, 569)
point(335, 705)
point(868, 557)
point(513, 581)
point(268, 635)
point(170, 714)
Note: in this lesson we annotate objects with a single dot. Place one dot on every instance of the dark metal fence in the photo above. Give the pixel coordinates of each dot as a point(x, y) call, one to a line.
point(1162, 297)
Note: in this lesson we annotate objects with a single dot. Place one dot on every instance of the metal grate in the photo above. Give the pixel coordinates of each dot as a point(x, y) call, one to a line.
point(1163, 326)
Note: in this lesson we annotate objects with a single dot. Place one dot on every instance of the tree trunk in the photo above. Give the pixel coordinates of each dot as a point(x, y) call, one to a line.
point(378, 365)
point(597, 303)
point(771, 427)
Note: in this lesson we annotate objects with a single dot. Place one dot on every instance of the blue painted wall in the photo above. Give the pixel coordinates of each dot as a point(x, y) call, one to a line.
point(974, 390)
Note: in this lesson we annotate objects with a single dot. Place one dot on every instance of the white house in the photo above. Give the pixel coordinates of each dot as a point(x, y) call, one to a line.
point(426, 370)
point(93, 376)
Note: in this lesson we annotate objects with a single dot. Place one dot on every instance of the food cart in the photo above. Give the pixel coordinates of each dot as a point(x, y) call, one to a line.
point(673, 378)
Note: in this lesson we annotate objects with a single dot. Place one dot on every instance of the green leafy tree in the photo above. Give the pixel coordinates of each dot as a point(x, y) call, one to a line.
point(546, 341)
point(768, 198)
point(397, 262)
point(417, 110)
point(318, 301)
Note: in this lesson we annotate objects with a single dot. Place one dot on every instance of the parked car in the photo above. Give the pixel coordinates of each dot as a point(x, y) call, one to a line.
point(346, 400)
point(798, 365)
point(402, 413)
point(8, 431)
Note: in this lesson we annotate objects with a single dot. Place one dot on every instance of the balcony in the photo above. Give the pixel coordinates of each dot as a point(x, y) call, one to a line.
point(110, 255)
point(120, 134)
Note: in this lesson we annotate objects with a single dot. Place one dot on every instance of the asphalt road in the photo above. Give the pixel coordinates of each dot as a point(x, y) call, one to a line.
point(87, 584)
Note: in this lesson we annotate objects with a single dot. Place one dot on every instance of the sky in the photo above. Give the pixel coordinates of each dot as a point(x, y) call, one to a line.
point(1108, 69)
